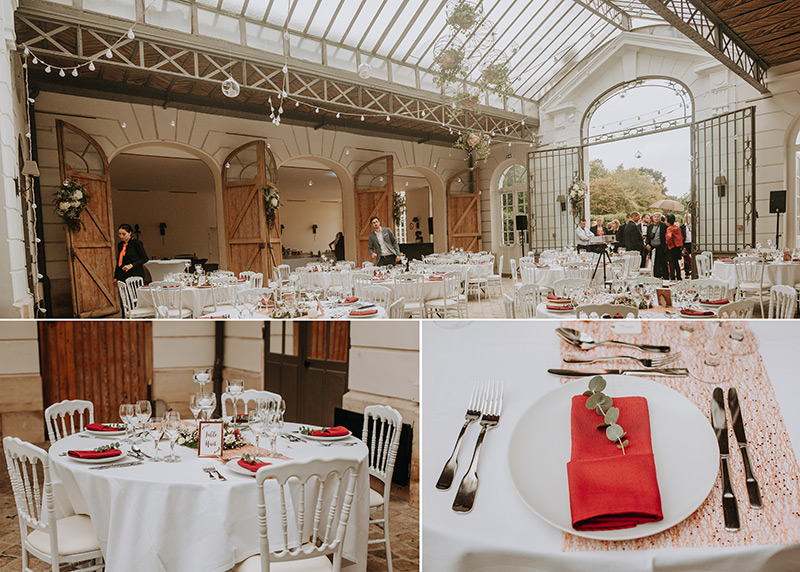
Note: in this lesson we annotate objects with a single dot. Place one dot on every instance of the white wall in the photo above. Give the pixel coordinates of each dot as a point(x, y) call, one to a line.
point(305, 205)
point(417, 205)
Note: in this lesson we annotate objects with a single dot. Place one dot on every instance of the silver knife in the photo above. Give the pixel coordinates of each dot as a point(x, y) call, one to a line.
point(753, 490)
point(670, 371)
point(115, 465)
point(719, 421)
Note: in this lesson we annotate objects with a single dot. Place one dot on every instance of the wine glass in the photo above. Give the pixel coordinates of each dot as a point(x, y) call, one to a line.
point(712, 358)
point(194, 405)
point(202, 375)
point(255, 420)
point(143, 412)
point(234, 388)
point(208, 402)
point(127, 412)
point(155, 430)
point(171, 426)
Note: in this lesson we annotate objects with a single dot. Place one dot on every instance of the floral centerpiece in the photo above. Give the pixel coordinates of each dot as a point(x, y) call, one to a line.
point(284, 311)
point(70, 199)
point(398, 207)
point(641, 301)
point(577, 194)
point(272, 202)
point(474, 142)
point(231, 437)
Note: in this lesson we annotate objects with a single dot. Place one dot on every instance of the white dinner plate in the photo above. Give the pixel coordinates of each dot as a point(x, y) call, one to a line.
point(233, 466)
point(317, 438)
point(684, 447)
point(101, 461)
point(104, 433)
point(711, 317)
point(710, 306)
point(357, 317)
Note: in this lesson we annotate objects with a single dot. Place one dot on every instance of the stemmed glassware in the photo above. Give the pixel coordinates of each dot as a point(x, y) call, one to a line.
point(194, 405)
point(155, 429)
point(207, 402)
point(234, 388)
point(171, 427)
point(255, 420)
point(202, 375)
point(713, 348)
point(143, 411)
point(127, 412)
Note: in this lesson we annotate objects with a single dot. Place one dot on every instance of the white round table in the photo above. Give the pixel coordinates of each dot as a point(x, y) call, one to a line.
point(786, 273)
point(160, 268)
point(194, 298)
point(431, 289)
point(171, 517)
point(543, 312)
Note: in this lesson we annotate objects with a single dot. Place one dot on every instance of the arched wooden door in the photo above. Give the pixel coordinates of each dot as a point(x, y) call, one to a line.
point(91, 248)
point(464, 210)
point(246, 170)
point(374, 190)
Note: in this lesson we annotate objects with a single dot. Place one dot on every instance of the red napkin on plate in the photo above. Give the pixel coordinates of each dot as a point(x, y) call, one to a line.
point(351, 300)
point(689, 312)
point(724, 259)
point(368, 312)
point(558, 307)
point(716, 302)
point(251, 466)
point(609, 490)
point(330, 432)
point(101, 427)
point(436, 278)
point(558, 299)
point(541, 265)
point(94, 454)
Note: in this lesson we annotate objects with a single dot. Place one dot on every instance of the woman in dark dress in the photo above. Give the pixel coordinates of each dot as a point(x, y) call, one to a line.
point(337, 244)
point(130, 255)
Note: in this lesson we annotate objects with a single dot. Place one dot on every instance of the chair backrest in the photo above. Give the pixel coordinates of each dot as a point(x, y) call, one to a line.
point(527, 261)
point(749, 269)
point(643, 280)
point(703, 262)
point(124, 298)
point(742, 310)
point(560, 287)
point(315, 500)
point(397, 309)
point(133, 284)
point(281, 273)
point(578, 270)
point(223, 274)
point(256, 280)
point(782, 301)
point(528, 297)
point(166, 296)
point(360, 281)
point(248, 397)
point(29, 471)
point(500, 266)
point(528, 274)
point(223, 293)
point(246, 274)
point(709, 288)
point(452, 285)
point(67, 417)
point(601, 310)
point(508, 306)
point(381, 433)
point(378, 295)
point(409, 286)
point(513, 264)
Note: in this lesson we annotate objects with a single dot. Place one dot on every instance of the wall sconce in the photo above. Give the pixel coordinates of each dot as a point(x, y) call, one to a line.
point(415, 220)
point(562, 200)
point(162, 228)
point(314, 228)
point(30, 169)
point(282, 227)
point(721, 182)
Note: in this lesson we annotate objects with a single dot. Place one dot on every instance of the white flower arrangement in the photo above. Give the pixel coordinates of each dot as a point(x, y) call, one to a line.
point(577, 194)
point(272, 202)
point(231, 437)
point(70, 200)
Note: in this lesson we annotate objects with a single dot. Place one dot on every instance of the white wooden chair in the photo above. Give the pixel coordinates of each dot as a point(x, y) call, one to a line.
point(323, 522)
point(449, 305)
point(360, 281)
point(591, 311)
point(281, 274)
point(58, 541)
point(67, 417)
point(223, 296)
point(560, 287)
point(477, 280)
point(508, 307)
point(750, 278)
point(782, 301)
point(397, 309)
point(495, 281)
point(645, 280)
point(703, 263)
point(130, 309)
point(378, 295)
point(741, 310)
point(578, 270)
point(168, 300)
point(133, 284)
point(709, 288)
point(514, 276)
point(248, 397)
point(528, 297)
point(381, 433)
point(528, 274)
point(409, 286)
point(527, 261)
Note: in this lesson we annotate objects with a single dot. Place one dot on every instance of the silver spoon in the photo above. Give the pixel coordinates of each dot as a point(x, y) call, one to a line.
point(138, 452)
point(583, 341)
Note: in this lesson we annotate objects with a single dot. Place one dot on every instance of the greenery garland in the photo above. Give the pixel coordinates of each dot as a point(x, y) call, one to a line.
point(475, 143)
point(398, 207)
point(231, 437)
point(70, 200)
point(577, 194)
point(272, 202)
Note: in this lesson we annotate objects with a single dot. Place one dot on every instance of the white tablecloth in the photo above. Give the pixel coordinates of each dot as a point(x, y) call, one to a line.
point(160, 268)
point(502, 534)
point(543, 312)
point(194, 299)
point(335, 313)
point(786, 273)
point(431, 289)
point(170, 517)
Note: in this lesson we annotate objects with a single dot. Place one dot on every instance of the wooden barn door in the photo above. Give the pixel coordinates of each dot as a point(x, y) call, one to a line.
point(90, 248)
point(246, 170)
point(464, 210)
point(105, 362)
point(374, 197)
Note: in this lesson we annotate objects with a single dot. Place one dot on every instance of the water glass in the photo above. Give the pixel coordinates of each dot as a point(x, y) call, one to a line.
point(255, 421)
point(208, 402)
point(127, 412)
point(143, 412)
point(194, 405)
point(155, 430)
point(171, 426)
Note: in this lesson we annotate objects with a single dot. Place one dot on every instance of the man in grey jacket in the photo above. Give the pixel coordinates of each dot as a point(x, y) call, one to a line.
point(382, 245)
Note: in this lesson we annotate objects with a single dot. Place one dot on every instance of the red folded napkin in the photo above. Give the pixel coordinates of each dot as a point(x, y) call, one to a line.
point(101, 427)
point(724, 259)
point(94, 454)
point(436, 278)
point(330, 432)
point(252, 466)
point(616, 316)
point(558, 307)
point(364, 312)
point(609, 490)
point(716, 302)
point(558, 299)
point(351, 300)
point(541, 266)
point(689, 312)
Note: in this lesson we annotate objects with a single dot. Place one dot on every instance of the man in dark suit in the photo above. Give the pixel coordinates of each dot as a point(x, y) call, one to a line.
point(633, 236)
point(657, 245)
point(686, 231)
point(382, 244)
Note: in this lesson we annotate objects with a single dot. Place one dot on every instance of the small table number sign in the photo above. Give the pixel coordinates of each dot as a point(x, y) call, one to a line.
point(210, 437)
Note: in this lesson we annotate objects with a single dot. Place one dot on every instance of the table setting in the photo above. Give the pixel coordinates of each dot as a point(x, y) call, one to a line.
point(160, 502)
point(620, 446)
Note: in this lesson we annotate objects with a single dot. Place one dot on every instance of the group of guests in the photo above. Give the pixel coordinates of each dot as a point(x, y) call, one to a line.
point(661, 241)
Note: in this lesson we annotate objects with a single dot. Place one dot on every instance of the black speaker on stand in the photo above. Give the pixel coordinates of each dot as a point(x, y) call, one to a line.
point(522, 226)
point(777, 205)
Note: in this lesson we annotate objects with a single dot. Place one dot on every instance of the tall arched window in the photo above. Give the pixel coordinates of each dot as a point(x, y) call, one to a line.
point(513, 202)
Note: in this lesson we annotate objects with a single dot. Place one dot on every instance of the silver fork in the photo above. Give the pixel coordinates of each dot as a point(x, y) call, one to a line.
point(465, 497)
point(473, 414)
point(210, 472)
point(646, 362)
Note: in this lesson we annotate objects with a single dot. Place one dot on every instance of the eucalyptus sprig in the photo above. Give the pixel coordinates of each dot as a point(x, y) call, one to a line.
point(306, 430)
point(104, 448)
point(603, 405)
point(252, 459)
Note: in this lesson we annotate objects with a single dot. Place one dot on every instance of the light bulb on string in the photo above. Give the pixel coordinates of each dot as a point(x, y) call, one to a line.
point(109, 55)
point(74, 72)
point(35, 60)
point(316, 110)
point(61, 73)
point(91, 66)
point(26, 50)
point(388, 118)
point(130, 34)
point(338, 115)
point(47, 69)
point(297, 104)
point(362, 118)
point(285, 68)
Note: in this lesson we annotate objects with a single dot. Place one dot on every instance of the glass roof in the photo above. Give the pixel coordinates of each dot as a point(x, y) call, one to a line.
point(398, 39)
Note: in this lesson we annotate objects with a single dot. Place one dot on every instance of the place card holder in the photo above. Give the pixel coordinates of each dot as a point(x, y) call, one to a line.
point(210, 436)
point(664, 297)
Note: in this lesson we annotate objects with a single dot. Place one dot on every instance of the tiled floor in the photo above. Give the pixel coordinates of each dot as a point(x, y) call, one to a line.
point(403, 519)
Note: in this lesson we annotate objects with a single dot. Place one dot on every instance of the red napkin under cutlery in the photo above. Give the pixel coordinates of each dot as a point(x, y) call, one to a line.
point(716, 302)
point(364, 312)
point(688, 312)
point(558, 299)
point(331, 432)
point(252, 466)
point(351, 300)
point(94, 454)
point(558, 307)
point(609, 490)
point(101, 427)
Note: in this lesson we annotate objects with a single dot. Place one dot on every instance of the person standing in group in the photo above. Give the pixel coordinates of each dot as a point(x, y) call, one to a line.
point(131, 255)
point(633, 237)
point(686, 231)
point(382, 245)
point(582, 235)
point(657, 245)
point(337, 245)
point(674, 247)
point(598, 229)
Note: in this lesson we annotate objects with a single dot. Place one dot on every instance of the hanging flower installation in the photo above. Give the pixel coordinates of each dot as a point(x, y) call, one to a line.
point(272, 202)
point(496, 78)
point(398, 207)
point(577, 194)
point(70, 199)
point(464, 14)
point(475, 143)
